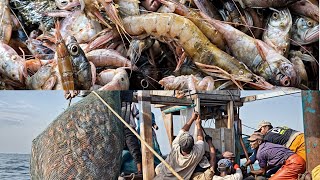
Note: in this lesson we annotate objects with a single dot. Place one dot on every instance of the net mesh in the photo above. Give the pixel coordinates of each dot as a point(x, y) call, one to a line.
point(84, 142)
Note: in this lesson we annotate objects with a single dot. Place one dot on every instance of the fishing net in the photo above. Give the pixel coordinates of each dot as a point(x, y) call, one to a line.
point(84, 142)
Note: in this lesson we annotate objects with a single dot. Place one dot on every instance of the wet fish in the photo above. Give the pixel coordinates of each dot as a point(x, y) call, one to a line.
point(32, 12)
point(84, 142)
point(304, 30)
point(81, 67)
point(277, 34)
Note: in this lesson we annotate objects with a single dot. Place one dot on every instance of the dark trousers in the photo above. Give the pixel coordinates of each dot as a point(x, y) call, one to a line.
point(132, 143)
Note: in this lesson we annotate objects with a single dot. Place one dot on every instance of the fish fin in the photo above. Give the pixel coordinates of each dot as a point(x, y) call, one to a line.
point(307, 58)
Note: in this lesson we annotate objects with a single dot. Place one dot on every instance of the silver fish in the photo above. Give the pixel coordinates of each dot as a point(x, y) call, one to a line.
point(304, 31)
point(80, 65)
point(277, 34)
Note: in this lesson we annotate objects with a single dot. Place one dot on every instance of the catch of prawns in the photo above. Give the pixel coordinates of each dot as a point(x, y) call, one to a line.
point(159, 44)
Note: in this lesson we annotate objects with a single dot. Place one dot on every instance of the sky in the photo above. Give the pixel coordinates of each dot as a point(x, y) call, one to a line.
point(25, 114)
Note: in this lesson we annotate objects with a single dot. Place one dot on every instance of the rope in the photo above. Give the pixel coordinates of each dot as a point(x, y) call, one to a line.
point(139, 137)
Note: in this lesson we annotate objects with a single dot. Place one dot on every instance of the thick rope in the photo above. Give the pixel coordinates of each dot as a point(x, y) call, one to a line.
point(139, 137)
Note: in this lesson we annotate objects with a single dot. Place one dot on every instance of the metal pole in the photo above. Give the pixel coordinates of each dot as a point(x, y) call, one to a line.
point(311, 121)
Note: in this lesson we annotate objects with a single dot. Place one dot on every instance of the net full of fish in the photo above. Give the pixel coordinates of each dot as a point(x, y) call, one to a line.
point(84, 142)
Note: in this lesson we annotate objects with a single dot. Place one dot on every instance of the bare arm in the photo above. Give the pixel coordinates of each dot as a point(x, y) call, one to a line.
point(212, 155)
point(248, 163)
point(199, 129)
point(187, 126)
point(261, 171)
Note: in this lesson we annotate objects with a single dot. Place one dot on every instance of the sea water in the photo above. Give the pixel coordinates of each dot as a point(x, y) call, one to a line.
point(14, 166)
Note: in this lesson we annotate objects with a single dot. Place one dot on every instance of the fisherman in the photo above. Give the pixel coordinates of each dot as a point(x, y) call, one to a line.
point(229, 155)
point(292, 139)
point(129, 114)
point(225, 167)
point(271, 155)
point(185, 155)
point(205, 169)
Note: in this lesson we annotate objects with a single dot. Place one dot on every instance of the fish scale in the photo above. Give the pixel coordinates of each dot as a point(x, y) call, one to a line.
point(32, 12)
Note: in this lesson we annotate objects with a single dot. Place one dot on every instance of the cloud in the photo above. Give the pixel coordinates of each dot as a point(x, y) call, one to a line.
point(16, 113)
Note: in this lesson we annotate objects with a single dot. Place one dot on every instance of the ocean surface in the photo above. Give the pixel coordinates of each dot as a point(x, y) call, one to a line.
point(14, 166)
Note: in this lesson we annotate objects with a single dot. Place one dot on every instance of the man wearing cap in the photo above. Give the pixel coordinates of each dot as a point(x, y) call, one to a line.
point(229, 155)
point(271, 155)
point(185, 154)
point(292, 139)
point(225, 168)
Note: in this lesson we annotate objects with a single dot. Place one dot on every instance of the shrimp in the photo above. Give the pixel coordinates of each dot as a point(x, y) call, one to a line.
point(190, 82)
point(128, 7)
point(11, 64)
point(187, 35)
point(40, 77)
point(215, 37)
point(278, 31)
point(79, 26)
point(34, 65)
point(37, 47)
point(92, 10)
point(108, 57)
point(5, 22)
point(64, 61)
point(269, 64)
point(120, 81)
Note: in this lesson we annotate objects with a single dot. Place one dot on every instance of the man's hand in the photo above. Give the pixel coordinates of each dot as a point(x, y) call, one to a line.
point(195, 115)
point(186, 127)
point(198, 120)
point(208, 138)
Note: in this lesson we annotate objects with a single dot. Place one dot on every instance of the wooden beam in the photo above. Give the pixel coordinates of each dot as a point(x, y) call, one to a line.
point(269, 95)
point(231, 123)
point(311, 121)
point(168, 124)
point(146, 134)
point(170, 101)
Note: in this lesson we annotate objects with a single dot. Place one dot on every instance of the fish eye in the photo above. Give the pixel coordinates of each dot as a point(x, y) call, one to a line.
point(74, 49)
point(64, 3)
point(284, 50)
point(309, 23)
point(122, 79)
point(275, 15)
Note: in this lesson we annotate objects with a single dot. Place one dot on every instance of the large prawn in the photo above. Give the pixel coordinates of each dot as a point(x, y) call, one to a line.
point(64, 61)
point(187, 35)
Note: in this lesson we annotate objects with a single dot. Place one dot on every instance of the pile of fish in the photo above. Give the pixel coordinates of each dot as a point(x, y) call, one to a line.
point(159, 44)
point(84, 142)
